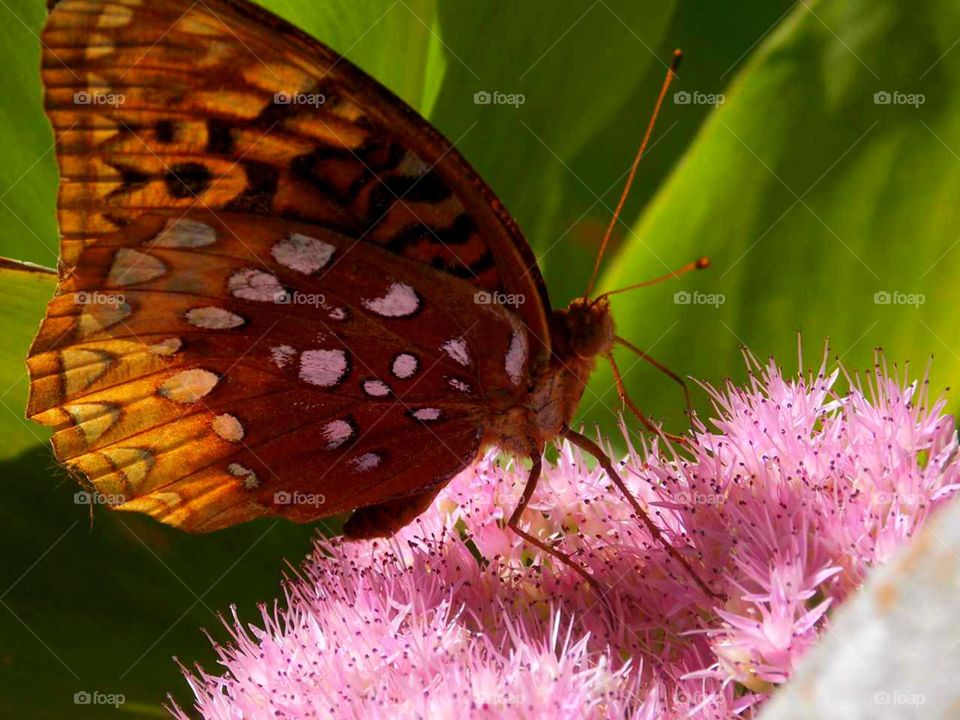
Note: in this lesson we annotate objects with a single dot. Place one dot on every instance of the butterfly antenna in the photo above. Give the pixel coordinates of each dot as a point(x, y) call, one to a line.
point(671, 74)
point(698, 264)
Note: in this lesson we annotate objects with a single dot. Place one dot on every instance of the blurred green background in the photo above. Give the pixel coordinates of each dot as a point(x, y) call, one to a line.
point(813, 153)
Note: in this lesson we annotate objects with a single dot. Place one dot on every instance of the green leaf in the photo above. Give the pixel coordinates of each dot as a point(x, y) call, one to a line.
point(810, 197)
point(28, 172)
point(26, 290)
point(576, 67)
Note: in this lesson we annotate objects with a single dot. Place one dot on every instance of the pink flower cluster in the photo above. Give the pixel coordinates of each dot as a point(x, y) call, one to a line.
point(795, 491)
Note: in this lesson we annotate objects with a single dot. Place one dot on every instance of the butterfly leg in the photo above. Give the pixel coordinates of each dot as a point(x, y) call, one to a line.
point(659, 366)
point(590, 447)
point(647, 423)
point(385, 519)
point(514, 524)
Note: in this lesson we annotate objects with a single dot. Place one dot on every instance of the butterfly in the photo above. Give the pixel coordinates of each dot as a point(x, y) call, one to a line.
point(280, 289)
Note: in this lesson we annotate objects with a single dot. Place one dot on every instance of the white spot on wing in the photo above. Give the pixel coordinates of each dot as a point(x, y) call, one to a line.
point(246, 475)
point(405, 365)
point(325, 368)
point(185, 233)
point(228, 427)
point(459, 385)
point(457, 349)
point(376, 388)
point(252, 284)
point(188, 386)
point(367, 461)
point(412, 165)
point(516, 357)
point(132, 266)
point(213, 318)
point(400, 300)
point(336, 433)
point(302, 253)
point(427, 414)
point(166, 347)
point(281, 355)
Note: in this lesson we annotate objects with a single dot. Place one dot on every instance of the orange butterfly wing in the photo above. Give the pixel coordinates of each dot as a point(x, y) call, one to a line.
point(265, 308)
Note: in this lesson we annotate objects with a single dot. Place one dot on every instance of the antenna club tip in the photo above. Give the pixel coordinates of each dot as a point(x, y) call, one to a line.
point(677, 58)
point(703, 262)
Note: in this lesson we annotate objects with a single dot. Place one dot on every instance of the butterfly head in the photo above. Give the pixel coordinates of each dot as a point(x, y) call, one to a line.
point(589, 327)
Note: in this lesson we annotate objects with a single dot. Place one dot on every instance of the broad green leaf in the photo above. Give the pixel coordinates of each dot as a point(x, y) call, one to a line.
point(25, 292)
point(390, 40)
point(28, 172)
point(824, 208)
point(106, 608)
point(575, 67)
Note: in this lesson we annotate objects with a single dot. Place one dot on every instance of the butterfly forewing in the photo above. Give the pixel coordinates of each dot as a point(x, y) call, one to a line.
point(173, 104)
point(268, 303)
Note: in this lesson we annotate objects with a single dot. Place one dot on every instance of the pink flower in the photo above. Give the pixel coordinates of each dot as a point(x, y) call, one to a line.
point(788, 499)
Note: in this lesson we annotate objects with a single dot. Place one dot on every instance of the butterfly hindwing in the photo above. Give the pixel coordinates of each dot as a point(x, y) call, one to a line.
point(202, 383)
